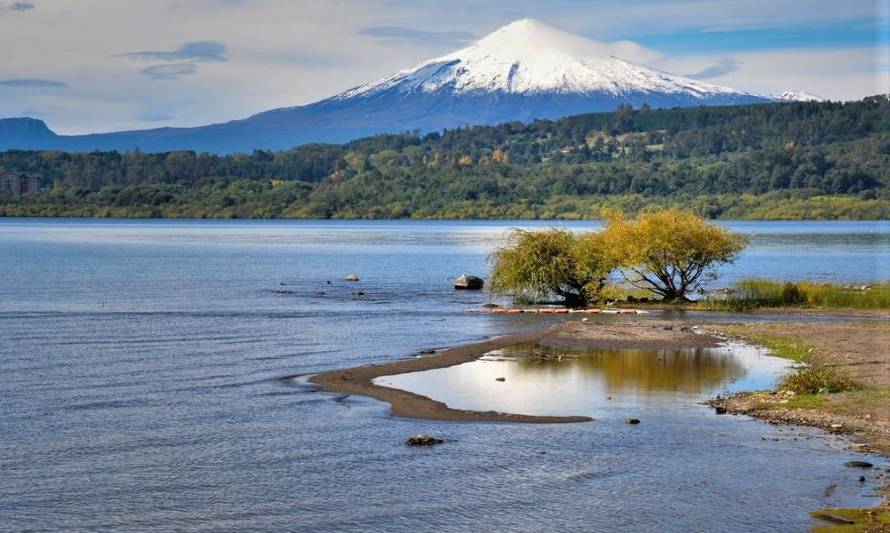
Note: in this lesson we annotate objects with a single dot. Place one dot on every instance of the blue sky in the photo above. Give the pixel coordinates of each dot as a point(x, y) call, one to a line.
point(100, 65)
point(833, 34)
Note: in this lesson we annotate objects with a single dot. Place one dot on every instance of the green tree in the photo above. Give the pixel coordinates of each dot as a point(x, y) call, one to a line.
point(537, 265)
point(670, 252)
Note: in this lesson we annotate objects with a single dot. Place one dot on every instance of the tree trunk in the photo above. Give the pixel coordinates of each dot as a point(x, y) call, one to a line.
point(574, 300)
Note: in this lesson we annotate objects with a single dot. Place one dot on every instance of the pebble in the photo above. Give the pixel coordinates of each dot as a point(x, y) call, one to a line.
point(633, 421)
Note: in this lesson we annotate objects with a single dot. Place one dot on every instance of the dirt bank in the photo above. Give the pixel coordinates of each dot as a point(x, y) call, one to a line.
point(859, 349)
point(619, 334)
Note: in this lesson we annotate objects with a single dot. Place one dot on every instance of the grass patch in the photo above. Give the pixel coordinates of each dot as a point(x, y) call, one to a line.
point(859, 401)
point(626, 294)
point(852, 520)
point(806, 401)
point(759, 293)
point(811, 376)
point(785, 346)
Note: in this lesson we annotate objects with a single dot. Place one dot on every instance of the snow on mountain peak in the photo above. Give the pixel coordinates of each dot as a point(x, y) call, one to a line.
point(798, 96)
point(531, 57)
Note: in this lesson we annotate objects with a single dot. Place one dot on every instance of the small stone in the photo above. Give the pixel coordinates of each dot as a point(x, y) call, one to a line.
point(858, 464)
point(632, 421)
point(352, 277)
point(500, 379)
point(720, 410)
point(862, 479)
point(422, 439)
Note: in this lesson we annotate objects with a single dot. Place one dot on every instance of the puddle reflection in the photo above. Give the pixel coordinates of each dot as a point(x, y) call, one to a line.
point(546, 380)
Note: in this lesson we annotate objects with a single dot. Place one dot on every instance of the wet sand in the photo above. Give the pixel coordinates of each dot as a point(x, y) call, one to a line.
point(621, 334)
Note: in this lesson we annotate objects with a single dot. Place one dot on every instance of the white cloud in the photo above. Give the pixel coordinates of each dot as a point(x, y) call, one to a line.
point(844, 74)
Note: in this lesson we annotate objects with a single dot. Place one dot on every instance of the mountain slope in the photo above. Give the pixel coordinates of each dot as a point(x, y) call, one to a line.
point(524, 71)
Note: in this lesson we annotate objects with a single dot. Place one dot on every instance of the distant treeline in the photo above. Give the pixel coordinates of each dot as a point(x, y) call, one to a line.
point(790, 160)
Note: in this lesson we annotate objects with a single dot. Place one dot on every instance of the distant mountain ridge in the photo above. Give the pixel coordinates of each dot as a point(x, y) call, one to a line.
point(780, 160)
point(524, 71)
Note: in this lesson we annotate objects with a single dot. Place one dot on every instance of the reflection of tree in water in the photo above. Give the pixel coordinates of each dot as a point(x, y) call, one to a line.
point(690, 370)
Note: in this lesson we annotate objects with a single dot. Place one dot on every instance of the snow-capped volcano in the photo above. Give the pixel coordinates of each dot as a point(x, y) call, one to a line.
point(524, 71)
point(531, 57)
point(797, 96)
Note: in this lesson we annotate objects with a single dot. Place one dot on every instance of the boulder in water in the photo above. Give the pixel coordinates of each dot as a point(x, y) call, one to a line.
point(352, 277)
point(422, 439)
point(468, 283)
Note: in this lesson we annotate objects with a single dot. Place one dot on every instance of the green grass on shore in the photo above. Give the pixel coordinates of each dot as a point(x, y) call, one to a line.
point(852, 520)
point(784, 346)
point(812, 375)
point(761, 293)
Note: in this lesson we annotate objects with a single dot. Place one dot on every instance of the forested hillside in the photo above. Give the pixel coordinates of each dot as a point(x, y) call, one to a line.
point(793, 160)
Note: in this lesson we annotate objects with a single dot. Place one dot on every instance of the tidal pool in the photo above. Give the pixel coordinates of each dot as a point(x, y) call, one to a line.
point(548, 380)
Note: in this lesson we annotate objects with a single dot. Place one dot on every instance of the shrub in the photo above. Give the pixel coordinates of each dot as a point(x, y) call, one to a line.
point(537, 265)
point(817, 378)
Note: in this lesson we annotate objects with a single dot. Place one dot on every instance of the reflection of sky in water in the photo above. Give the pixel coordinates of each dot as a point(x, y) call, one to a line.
point(591, 382)
point(853, 251)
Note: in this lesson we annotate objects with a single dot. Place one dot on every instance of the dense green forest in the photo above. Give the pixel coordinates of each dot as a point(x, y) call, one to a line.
point(772, 161)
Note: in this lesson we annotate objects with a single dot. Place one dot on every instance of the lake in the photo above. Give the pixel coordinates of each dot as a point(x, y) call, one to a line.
point(153, 380)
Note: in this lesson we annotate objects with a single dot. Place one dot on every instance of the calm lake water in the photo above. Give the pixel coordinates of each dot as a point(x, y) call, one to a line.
point(150, 382)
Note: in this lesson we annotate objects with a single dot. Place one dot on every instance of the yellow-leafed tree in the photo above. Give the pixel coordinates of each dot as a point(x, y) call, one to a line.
point(670, 253)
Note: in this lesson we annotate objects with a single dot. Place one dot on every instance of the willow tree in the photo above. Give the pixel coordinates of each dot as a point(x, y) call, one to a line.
point(672, 252)
point(538, 265)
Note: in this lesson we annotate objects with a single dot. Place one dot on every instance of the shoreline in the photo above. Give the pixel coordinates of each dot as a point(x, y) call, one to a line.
point(858, 349)
point(360, 380)
point(863, 413)
point(868, 432)
point(630, 334)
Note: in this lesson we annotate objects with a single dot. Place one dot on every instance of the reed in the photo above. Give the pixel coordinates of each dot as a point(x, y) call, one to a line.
point(757, 293)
